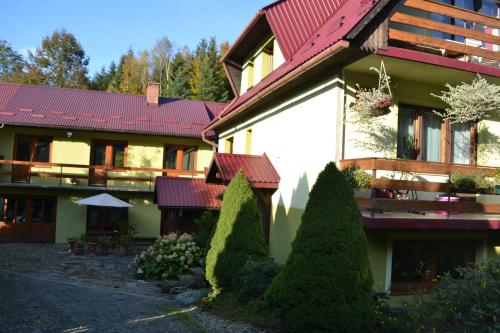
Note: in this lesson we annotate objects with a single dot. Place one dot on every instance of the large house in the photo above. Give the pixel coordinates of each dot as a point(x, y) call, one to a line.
point(296, 70)
point(59, 145)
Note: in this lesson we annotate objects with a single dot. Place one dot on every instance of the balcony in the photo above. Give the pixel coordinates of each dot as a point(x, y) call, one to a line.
point(433, 27)
point(19, 174)
point(415, 186)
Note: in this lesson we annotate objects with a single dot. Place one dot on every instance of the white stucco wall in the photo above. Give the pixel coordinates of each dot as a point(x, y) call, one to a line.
point(300, 137)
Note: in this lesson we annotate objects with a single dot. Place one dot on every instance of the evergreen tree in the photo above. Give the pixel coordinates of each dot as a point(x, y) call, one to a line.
point(238, 235)
point(211, 86)
point(60, 62)
point(12, 64)
point(100, 81)
point(178, 84)
point(326, 284)
point(198, 57)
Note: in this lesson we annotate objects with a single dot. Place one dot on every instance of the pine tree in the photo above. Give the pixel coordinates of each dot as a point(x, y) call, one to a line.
point(178, 84)
point(238, 235)
point(326, 283)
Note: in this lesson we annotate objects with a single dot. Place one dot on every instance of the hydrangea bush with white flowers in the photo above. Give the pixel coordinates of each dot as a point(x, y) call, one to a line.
point(168, 256)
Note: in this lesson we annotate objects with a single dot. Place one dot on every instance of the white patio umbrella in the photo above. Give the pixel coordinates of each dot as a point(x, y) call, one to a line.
point(104, 200)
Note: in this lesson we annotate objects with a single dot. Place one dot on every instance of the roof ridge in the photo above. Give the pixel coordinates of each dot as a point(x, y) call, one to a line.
point(103, 92)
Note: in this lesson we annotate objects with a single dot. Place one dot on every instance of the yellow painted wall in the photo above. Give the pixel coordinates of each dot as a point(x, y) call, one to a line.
point(143, 152)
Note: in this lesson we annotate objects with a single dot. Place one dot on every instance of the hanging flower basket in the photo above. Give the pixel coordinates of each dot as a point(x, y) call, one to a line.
point(374, 102)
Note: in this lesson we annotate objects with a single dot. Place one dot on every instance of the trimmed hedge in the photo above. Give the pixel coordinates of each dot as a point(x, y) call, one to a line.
point(238, 235)
point(326, 284)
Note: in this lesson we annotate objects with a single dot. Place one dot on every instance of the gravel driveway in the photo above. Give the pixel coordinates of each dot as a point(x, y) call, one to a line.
point(38, 304)
point(45, 289)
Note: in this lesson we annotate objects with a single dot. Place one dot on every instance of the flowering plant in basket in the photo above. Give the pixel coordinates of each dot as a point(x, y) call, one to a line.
point(374, 102)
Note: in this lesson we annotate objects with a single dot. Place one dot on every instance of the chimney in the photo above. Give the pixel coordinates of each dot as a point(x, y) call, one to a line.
point(153, 93)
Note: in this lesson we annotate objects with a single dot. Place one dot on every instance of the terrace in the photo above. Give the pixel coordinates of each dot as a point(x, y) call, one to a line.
point(407, 189)
point(77, 177)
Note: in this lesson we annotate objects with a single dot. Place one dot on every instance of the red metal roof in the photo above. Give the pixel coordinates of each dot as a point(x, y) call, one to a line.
point(29, 105)
point(258, 169)
point(341, 21)
point(178, 192)
point(294, 21)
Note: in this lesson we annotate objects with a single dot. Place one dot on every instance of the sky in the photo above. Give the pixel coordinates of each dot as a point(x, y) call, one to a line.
point(107, 28)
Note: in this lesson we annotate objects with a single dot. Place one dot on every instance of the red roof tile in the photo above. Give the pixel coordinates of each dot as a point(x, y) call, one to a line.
point(177, 192)
point(28, 105)
point(259, 170)
point(294, 21)
point(343, 16)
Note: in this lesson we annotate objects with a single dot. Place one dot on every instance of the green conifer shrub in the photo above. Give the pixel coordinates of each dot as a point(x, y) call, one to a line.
point(326, 284)
point(238, 235)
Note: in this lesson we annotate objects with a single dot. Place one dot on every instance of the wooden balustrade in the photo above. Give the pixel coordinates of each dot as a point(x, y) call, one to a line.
point(456, 48)
point(60, 171)
point(413, 169)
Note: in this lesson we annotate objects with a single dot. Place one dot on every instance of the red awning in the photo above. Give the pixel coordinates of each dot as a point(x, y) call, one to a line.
point(258, 169)
point(177, 192)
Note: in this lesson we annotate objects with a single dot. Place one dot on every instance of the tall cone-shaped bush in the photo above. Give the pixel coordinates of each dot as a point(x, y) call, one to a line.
point(238, 235)
point(326, 284)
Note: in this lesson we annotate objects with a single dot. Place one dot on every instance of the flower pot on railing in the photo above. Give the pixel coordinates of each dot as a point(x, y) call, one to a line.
point(467, 197)
point(446, 198)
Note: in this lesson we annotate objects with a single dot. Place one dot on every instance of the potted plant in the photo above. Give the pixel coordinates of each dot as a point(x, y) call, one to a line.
point(104, 243)
point(126, 235)
point(71, 244)
point(125, 241)
point(92, 246)
point(357, 178)
point(80, 245)
point(467, 186)
point(374, 102)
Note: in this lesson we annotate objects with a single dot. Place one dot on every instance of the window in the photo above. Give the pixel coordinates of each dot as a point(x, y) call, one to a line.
point(180, 158)
point(228, 145)
point(31, 148)
point(105, 220)
point(416, 264)
point(23, 209)
point(423, 135)
point(109, 153)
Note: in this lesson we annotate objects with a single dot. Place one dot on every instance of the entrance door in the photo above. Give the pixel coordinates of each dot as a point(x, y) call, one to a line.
point(28, 148)
point(27, 219)
point(105, 155)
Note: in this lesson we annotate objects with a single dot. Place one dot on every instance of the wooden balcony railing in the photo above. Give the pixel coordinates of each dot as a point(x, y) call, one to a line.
point(483, 44)
point(74, 175)
point(410, 179)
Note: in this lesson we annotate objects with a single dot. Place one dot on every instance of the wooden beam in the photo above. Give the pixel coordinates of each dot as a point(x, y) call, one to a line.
point(425, 205)
point(410, 185)
point(449, 10)
point(443, 27)
point(442, 44)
